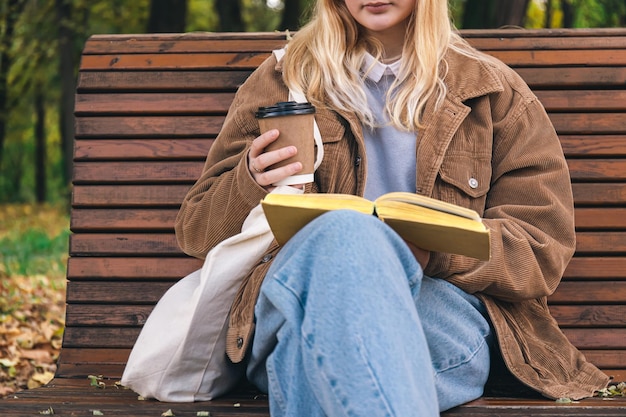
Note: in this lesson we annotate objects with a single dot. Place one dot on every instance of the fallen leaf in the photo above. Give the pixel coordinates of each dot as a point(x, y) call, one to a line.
point(38, 355)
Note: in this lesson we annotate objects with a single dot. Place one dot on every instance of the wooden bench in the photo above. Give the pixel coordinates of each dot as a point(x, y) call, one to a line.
point(147, 110)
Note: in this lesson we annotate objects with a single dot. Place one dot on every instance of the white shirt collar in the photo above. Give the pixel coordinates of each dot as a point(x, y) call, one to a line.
point(377, 69)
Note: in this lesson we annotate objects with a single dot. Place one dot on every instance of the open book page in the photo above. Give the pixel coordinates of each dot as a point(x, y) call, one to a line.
point(435, 230)
point(420, 200)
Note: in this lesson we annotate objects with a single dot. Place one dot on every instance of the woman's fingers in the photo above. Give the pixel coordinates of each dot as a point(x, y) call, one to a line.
point(259, 161)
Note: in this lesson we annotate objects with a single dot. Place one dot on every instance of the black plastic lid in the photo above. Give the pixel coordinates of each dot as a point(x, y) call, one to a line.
point(285, 108)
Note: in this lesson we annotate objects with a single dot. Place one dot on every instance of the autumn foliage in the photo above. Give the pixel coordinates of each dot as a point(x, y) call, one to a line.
point(33, 252)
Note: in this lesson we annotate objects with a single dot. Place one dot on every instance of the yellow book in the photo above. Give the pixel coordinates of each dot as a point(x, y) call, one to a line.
point(426, 222)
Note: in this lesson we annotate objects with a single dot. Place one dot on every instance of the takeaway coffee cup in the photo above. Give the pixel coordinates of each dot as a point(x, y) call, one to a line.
point(295, 122)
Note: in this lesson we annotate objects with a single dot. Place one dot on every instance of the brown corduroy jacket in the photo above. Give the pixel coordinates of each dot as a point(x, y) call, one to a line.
point(490, 147)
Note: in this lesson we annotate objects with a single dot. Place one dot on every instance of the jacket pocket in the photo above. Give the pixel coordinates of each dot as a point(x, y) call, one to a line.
point(465, 180)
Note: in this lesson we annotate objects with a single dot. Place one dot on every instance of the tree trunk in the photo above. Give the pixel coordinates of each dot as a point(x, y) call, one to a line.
point(9, 13)
point(478, 14)
point(568, 14)
point(167, 16)
point(229, 12)
point(67, 70)
point(488, 14)
point(291, 15)
point(511, 13)
point(40, 145)
point(548, 15)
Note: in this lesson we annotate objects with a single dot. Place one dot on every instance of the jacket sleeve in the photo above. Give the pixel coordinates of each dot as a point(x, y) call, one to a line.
point(528, 209)
point(216, 206)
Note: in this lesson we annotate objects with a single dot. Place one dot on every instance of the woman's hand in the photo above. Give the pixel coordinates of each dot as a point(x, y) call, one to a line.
point(259, 160)
point(422, 255)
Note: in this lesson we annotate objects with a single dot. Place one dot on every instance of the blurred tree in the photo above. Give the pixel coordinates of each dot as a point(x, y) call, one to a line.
point(41, 152)
point(568, 13)
point(230, 17)
point(10, 11)
point(494, 13)
point(67, 73)
point(292, 12)
point(167, 16)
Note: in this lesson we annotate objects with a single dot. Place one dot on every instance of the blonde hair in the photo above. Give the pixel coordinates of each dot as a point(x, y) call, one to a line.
point(325, 57)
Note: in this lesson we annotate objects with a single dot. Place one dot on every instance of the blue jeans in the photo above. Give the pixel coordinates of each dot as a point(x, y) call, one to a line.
point(347, 325)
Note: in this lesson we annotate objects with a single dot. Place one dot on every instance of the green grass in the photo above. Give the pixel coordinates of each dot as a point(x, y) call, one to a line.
point(33, 241)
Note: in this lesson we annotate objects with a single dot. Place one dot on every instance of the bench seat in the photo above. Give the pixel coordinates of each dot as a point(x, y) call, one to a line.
point(147, 110)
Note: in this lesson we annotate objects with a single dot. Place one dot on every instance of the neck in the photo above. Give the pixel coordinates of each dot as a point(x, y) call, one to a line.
point(392, 41)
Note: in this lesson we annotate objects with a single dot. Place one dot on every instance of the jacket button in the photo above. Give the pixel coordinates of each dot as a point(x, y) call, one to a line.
point(239, 342)
point(266, 258)
point(473, 182)
point(357, 161)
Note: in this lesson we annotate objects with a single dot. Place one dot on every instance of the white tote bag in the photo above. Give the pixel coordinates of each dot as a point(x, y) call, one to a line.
point(180, 354)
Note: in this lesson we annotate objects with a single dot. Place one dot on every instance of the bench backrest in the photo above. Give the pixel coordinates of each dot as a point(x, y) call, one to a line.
point(149, 106)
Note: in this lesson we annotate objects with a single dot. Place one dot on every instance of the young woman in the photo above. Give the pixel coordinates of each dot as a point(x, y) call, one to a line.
point(346, 318)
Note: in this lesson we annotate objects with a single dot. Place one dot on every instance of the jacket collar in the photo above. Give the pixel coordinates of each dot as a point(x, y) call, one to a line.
point(468, 77)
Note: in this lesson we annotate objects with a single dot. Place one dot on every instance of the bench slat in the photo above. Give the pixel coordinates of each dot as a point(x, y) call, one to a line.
point(597, 169)
point(575, 77)
point(199, 102)
point(144, 127)
point(587, 268)
point(160, 267)
point(600, 243)
point(251, 60)
point(158, 171)
point(209, 125)
point(90, 220)
point(599, 194)
point(594, 145)
point(86, 220)
point(124, 244)
point(166, 149)
point(209, 80)
point(242, 60)
point(129, 195)
point(125, 313)
point(140, 292)
point(102, 45)
point(96, 361)
point(153, 103)
point(589, 123)
point(591, 292)
point(206, 81)
point(124, 337)
point(127, 292)
point(589, 315)
point(137, 268)
point(141, 149)
point(582, 100)
point(125, 219)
